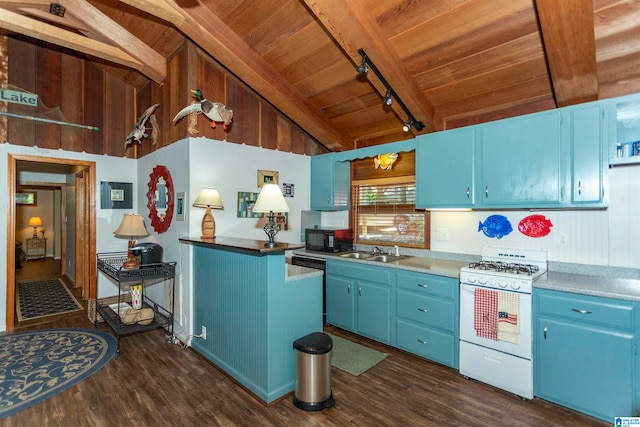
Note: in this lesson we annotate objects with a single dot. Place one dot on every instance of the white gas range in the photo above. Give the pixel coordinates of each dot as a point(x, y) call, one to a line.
point(495, 318)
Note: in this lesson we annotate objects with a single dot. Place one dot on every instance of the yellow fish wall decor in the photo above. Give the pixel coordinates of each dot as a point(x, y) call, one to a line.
point(385, 161)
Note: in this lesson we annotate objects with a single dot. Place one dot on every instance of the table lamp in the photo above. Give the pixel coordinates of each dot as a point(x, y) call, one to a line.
point(132, 225)
point(35, 222)
point(270, 200)
point(208, 198)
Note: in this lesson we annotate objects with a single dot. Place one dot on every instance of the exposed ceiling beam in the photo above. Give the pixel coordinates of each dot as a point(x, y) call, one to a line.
point(352, 26)
point(209, 32)
point(570, 49)
point(39, 30)
point(158, 8)
point(154, 65)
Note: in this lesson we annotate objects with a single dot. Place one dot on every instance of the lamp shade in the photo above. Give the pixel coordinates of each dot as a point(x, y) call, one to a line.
point(270, 199)
point(208, 198)
point(35, 221)
point(132, 225)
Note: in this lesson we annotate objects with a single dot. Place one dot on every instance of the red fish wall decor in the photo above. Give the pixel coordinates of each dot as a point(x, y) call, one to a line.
point(535, 226)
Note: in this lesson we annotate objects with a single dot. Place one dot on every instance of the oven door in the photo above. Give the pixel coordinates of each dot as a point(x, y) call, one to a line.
point(468, 332)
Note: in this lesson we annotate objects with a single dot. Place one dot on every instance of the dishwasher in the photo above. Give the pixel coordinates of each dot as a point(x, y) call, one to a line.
point(318, 264)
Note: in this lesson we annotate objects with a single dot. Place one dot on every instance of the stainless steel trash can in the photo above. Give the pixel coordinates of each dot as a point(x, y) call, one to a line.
point(313, 372)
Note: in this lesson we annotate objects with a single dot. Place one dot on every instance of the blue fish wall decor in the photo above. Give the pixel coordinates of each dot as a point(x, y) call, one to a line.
point(496, 226)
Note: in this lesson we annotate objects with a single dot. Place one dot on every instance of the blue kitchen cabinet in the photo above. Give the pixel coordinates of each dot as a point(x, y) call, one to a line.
point(520, 162)
point(445, 169)
point(585, 353)
point(359, 298)
point(341, 301)
point(427, 316)
point(588, 154)
point(330, 183)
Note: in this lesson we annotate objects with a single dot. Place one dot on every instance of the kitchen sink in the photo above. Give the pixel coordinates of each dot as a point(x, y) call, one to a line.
point(386, 258)
point(356, 255)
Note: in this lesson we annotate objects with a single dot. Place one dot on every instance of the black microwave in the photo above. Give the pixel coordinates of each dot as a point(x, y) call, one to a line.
point(328, 240)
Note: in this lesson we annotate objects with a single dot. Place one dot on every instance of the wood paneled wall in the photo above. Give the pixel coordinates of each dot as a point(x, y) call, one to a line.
point(88, 94)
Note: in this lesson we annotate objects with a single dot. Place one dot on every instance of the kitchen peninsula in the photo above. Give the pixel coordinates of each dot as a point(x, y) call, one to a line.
point(254, 306)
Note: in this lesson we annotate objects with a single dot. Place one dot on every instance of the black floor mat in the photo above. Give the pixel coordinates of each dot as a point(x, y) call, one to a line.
point(44, 298)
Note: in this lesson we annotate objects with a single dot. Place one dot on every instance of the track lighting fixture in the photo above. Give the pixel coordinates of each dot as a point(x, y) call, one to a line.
point(387, 97)
point(412, 123)
point(363, 68)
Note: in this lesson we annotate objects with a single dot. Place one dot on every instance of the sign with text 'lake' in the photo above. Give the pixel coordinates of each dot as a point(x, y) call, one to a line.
point(16, 97)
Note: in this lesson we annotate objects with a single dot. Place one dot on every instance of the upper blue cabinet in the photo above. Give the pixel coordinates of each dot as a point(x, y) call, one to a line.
point(588, 124)
point(520, 162)
point(624, 134)
point(552, 159)
point(330, 183)
point(445, 169)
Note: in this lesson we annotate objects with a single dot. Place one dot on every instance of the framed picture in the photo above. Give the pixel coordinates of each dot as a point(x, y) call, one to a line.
point(115, 195)
point(180, 198)
point(287, 190)
point(245, 205)
point(27, 198)
point(282, 220)
point(267, 177)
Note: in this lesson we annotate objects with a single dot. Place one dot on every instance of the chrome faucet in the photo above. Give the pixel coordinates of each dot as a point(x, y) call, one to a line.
point(376, 250)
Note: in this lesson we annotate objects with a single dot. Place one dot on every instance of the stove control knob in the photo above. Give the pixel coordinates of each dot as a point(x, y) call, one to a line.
point(502, 284)
point(515, 285)
point(482, 281)
point(471, 279)
point(492, 283)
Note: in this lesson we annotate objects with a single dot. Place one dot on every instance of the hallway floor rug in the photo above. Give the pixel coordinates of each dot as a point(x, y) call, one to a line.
point(353, 358)
point(44, 298)
point(36, 365)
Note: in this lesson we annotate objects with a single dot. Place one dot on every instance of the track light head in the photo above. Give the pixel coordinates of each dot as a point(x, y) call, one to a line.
point(387, 98)
point(363, 68)
point(412, 123)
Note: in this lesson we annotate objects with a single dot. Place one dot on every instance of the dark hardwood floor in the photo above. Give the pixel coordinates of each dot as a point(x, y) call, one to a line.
point(154, 383)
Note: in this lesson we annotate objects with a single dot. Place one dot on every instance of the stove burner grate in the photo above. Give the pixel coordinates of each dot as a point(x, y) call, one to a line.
point(505, 267)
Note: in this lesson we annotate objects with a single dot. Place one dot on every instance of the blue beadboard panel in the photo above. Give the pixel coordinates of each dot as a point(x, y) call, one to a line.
point(252, 316)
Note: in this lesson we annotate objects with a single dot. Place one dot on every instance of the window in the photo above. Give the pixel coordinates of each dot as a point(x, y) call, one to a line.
point(384, 213)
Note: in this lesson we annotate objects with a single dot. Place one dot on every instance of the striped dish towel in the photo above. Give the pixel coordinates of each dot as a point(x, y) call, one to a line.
point(485, 313)
point(508, 317)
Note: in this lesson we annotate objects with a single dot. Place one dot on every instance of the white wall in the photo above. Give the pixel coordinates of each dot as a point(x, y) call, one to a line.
point(231, 168)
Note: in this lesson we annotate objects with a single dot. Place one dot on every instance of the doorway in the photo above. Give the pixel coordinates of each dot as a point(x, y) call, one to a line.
point(17, 164)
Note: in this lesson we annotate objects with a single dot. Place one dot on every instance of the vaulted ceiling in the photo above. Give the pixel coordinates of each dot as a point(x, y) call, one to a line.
point(451, 63)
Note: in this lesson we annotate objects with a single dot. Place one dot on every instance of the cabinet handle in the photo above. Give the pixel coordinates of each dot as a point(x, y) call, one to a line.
point(349, 289)
point(424, 310)
point(422, 341)
point(328, 199)
point(579, 187)
point(360, 291)
point(577, 310)
point(486, 191)
point(423, 285)
point(468, 192)
point(545, 332)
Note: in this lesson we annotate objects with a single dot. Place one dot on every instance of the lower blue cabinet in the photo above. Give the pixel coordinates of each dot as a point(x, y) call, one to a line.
point(585, 355)
point(359, 299)
point(416, 312)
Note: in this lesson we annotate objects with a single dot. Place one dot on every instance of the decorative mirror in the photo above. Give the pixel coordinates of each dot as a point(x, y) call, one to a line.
point(160, 199)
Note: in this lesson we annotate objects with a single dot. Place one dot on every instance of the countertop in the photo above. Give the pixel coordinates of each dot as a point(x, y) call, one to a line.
point(297, 272)
point(607, 287)
point(623, 289)
point(241, 244)
point(440, 267)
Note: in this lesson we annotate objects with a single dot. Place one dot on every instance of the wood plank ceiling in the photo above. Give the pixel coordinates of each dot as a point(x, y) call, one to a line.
point(452, 63)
